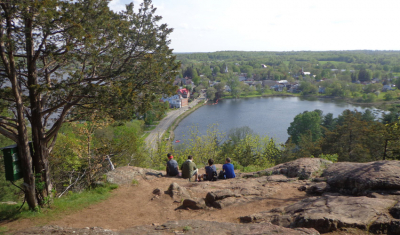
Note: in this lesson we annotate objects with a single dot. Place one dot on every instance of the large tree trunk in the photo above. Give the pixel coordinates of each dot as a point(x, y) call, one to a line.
point(22, 138)
point(40, 161)
point(26, 160)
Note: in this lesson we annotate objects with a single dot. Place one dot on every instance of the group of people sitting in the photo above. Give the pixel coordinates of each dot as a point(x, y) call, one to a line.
point(190, 170)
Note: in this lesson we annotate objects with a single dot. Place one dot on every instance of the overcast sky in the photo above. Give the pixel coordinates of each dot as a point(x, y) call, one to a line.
point(279, 25)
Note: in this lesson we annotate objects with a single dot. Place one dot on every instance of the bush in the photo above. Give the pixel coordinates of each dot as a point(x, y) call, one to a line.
point(329, 157)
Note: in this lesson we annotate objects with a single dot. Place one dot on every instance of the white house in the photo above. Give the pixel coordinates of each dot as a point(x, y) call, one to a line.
point(175, 101)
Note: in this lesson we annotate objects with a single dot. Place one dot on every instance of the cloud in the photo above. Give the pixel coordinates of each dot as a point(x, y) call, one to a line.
point(278, 24)
point(116, 5)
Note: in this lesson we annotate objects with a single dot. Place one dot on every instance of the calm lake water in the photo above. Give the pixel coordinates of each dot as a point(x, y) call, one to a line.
point(266, 116)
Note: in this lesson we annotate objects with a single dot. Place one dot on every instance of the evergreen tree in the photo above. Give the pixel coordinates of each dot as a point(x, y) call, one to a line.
point(65, 59)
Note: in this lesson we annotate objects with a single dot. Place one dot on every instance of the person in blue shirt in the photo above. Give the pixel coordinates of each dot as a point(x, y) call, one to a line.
point(228, 169)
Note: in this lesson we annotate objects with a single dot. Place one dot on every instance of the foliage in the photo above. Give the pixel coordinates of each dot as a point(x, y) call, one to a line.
point(248, 150)
point(392, 141)
point(156, 113)
point(201, 148)
point(355, 138)
point(85, 151)
point(329, 157)
point(211, 93)
point(69, 58)
point(306, 121)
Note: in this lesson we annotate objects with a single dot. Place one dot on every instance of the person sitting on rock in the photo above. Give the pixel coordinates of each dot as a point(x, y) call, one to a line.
point(228, 169)
point(172, 166)
point(211, 171)
point(189, 169)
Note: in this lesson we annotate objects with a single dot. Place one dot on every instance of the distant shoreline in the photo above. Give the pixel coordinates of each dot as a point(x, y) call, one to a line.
point(378, 104)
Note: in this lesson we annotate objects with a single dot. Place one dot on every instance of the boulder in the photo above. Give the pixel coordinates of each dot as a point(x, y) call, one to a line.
point(395, 211)
point(249, 192)
point(157, 192)
point(303, 168)
point(318, 188)
point(126, 174)
point(359, 178)
point(330, 213)
point(228, 202)
point(216, 228)
point(194, 203)
point(219, 195)
point(278, 178)
point(177, 192)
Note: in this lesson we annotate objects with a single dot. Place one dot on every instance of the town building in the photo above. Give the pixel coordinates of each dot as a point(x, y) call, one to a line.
point(181, 99)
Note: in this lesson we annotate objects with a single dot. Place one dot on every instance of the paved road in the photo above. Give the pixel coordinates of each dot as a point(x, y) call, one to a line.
point(157, 133)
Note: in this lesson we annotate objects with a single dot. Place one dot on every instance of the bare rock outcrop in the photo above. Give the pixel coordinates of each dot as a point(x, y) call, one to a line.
point(315, 188)
point(359, 178)
point(214, 228)
point(303, 168)
point(330, 213)
point(53, 229)
point(194, 203)
point(177, 192)
point(219, 195)
point(178, 227)
point(126, 174)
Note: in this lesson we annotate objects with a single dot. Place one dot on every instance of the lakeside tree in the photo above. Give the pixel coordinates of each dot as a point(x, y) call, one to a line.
point(211, 93)
point(63, 59)
point(355, 138)
point(234, 84)
point(306, 122)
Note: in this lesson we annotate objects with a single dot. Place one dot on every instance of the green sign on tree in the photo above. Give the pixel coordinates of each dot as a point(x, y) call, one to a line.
point(12, 163)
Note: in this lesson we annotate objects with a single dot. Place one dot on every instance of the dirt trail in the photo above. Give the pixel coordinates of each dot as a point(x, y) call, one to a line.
point(133, 205)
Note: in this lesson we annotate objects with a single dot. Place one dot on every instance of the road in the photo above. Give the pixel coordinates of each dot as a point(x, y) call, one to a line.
point(158, 132)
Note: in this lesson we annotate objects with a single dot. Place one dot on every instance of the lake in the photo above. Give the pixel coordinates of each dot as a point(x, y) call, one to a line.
point(265, 116)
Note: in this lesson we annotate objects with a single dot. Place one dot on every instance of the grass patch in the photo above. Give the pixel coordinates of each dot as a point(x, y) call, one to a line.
point(3, 230)
point(249, 96)
point(135, 182)
point(333, 62)
point(250, 168)
point(149, 128)
point(70, 203)
point(187, 228)
point(144, 136)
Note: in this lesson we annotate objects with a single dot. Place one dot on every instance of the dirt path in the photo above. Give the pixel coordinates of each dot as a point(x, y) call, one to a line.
point(133, 205)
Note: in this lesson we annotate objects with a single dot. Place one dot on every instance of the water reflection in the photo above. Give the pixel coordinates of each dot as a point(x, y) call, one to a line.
point(265, 116)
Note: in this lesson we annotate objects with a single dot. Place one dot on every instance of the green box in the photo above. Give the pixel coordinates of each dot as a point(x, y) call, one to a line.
point(12, 163)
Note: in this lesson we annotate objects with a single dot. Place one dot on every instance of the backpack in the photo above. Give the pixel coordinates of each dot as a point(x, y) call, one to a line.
point(215, 176)
point(221, 175)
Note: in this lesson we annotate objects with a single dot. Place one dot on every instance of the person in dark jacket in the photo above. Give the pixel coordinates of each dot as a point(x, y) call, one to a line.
point(211, 171)
point(172, 166)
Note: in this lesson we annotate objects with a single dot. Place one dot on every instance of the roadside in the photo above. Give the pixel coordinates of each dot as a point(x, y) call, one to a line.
point(165, 123)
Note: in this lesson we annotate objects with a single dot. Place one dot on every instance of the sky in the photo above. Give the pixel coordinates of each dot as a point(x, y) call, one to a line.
point(278, 25)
